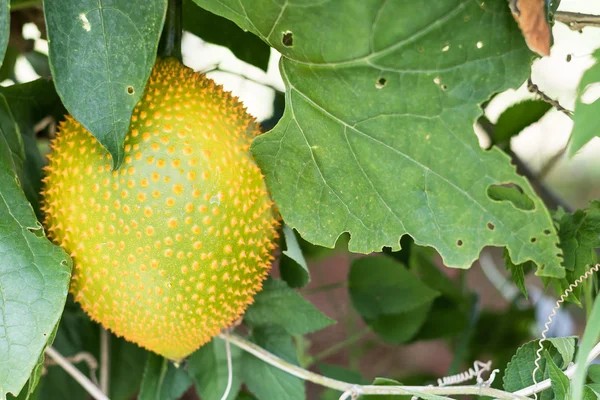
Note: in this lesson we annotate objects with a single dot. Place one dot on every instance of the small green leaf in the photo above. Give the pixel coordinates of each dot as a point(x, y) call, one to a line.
point(34, 274)
point(278, 304)
point(218, 30)
point(162, 380)
point(4, 27)
point(208, 368)
point(265, 381)
point(561, 386)
point(518, 117)
point(39, 62)
point(378, 285)
point(293, 266)
point(518, 272)
point(566, 348)
point(101, 56)
point(578, 233)
point(585, 115)
point(518, 374)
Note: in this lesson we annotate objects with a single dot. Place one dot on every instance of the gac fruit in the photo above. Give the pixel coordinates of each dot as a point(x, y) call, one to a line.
point(171, 248)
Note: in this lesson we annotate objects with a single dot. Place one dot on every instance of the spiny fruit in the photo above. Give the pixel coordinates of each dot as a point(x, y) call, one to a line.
point(170, 248)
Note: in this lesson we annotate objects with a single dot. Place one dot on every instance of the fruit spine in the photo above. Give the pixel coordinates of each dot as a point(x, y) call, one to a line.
point(170, 248)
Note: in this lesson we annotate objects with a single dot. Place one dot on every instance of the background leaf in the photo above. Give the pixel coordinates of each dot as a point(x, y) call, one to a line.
point(30, 103)
point(278, 304)
point(34, 274)
point(265, 381)
point(162, 380)
point(367, 152)
point(99, 53)
point(4, 27)
point(292, 266)
point(208, 368)
point(585, 115)
point(218, 30)
point(518, 117)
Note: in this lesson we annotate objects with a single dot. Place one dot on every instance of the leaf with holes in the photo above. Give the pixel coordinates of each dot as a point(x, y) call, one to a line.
point(101, 56)
point(34, 274)
point(371, 112)
point(586, 113)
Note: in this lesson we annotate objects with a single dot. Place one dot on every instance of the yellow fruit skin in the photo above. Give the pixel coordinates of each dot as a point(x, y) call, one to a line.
point(170, 248)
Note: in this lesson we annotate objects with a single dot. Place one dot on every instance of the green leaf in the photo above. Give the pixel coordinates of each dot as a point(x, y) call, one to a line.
point(30, 103)
point(101, 56)
point(4, 27)
point(293, 266)
point(585, 115)
point(420, 261)
point(590, 338)
point(561, 386)
point(367, 153)
point(400, 327)
point(378, 285)
point(218, 30)
point(208, 368)
point(518, 273)
point(34, 274)
point(594, 373)
point(278, 304)
point(578, 234)
point(162, 380)
point(127, 362)
point(39, 62)
point(565, 347)
point(518, 371)
point(518, 117)
point(265, 381)
point(7, 67)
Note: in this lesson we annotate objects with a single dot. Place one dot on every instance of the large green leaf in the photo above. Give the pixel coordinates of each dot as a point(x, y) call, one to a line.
point(101, 55)
point(585, 117)
point(218, 30)
point(377, 136)
point(4, 27)
point(34, 274)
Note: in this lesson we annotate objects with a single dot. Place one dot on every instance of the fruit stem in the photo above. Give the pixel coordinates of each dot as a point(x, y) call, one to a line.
point(170, 40)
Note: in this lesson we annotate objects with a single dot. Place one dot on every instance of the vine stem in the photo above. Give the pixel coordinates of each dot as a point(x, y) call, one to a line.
point(350, 388)
point(76, 374)
point(104, 360)
point(577, 21)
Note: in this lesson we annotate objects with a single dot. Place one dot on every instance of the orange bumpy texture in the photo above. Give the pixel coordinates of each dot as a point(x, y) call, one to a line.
point(170, 248)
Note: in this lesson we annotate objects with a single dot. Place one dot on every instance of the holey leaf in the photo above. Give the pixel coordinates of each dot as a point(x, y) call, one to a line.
point(377, 136)
point(101, 54)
